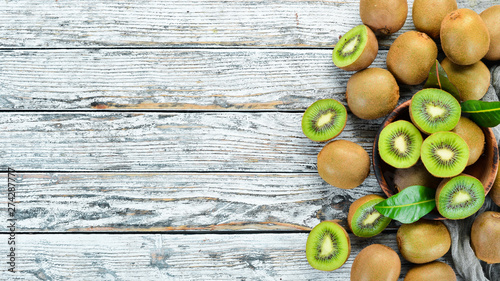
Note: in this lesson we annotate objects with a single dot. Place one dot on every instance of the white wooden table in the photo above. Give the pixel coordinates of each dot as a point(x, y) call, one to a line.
point(161, 140)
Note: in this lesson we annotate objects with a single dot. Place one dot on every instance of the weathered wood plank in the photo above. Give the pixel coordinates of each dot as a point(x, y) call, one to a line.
point(176, 201)
point(176, 257)
point(100, 141)
point(210, 23)
point(170, 79)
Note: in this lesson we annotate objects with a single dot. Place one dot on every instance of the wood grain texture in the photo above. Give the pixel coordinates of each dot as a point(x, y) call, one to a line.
point(100, 141)
point(207, 23)
point(177, 257)
point(242, 80)
point(176, 201)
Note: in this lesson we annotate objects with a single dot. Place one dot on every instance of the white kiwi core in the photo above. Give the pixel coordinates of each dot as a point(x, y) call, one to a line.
point(400, 144)
point(461, 197)
point(435, 111)
point(324, 119)
point(371, 218)
point(326, 247)
point(445, 154)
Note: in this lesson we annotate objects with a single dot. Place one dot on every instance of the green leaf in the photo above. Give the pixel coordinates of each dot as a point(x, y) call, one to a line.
point(409, 205)
point(438, 79)
point(484, 113)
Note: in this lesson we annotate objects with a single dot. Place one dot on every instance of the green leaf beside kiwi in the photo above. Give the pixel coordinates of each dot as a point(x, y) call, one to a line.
point(409, 205)
point(483, 113)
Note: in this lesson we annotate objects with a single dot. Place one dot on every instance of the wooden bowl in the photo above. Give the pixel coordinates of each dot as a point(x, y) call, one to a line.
point(485, 168)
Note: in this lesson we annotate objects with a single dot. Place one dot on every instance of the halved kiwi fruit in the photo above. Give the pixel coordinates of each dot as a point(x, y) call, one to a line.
point(459, 197)
point(434, 110)
point(363, 219)
point(444, 154)
point(356, 50)
point(324, 120)
point(328, 246)
point(399, 144)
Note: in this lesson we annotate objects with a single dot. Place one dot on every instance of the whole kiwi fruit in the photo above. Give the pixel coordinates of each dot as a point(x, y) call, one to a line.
point(495, 190)
point(485, 237)
point(383, 17)
point(343, 164)
point(376, 262)
point(428, 14)
point(411, 56)
point(328, 246)
point(474, 137)
point(472, 81)
point(415, 175)
point(491, 18)
point(423, 241)
point(464, 37)
point(434, 271)
point(372, 93)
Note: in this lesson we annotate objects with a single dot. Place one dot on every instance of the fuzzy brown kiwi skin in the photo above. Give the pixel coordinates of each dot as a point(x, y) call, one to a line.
point(411, 56)
point(376, 262)
point(367, 56)
point(485, 237)
point(415, 175)
point(473, 136)
point(423, 241)
point(495, 190)
point(343, 164)
point(491, 18)
point(464, 37)
point(372, 93)
point(383, 17)
point(433, 271)
point(358, 203)
point(472, 81)
point(428, 14)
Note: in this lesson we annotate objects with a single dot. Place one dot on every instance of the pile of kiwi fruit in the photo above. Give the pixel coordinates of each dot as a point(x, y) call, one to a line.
point(432, 148)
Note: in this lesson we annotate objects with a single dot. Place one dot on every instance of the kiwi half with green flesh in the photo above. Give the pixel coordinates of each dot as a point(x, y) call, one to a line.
point(363, 219)
point(459, 197)
point(411, 56)
point(343, 164)
point(428, 14)
point(472, 81)
point(444, 154)
point(324, 120)
point(355, 50)
point(434, 110)
point(434, 271)
point(464, 37)
point(328, 246)
point(376, 262)
point(423, 241)
point(399, 144)
point(485, 237)
point(383, 17)
point(415, 175)
point(491, 17)
point(473, 136)
point(372, 93)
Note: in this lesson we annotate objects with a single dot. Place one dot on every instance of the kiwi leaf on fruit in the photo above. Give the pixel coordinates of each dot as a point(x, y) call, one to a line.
point(434, 110)
point(372, 93)
point(376, 262)
point(355, 50)
point(399, 144)
point(423, 241)
point(444, 154)
point(328, 246)
point(363, 219)
point(343, 164)
point(324, 120)
point(459, 197)
point(464, 37)
point(485, 237)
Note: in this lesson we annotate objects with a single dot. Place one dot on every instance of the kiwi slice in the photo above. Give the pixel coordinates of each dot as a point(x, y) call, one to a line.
point(459, 197)
point(444, 154)
point(356, 50)
point(324, 120)
point(399, 144)
point(363, 219)
point(434, 110)
point(328, 246)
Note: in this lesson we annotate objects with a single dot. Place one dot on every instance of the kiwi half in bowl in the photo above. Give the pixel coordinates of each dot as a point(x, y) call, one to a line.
point(485, 168)
point(399, 144)
point(355, 50)
point(459, 197)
